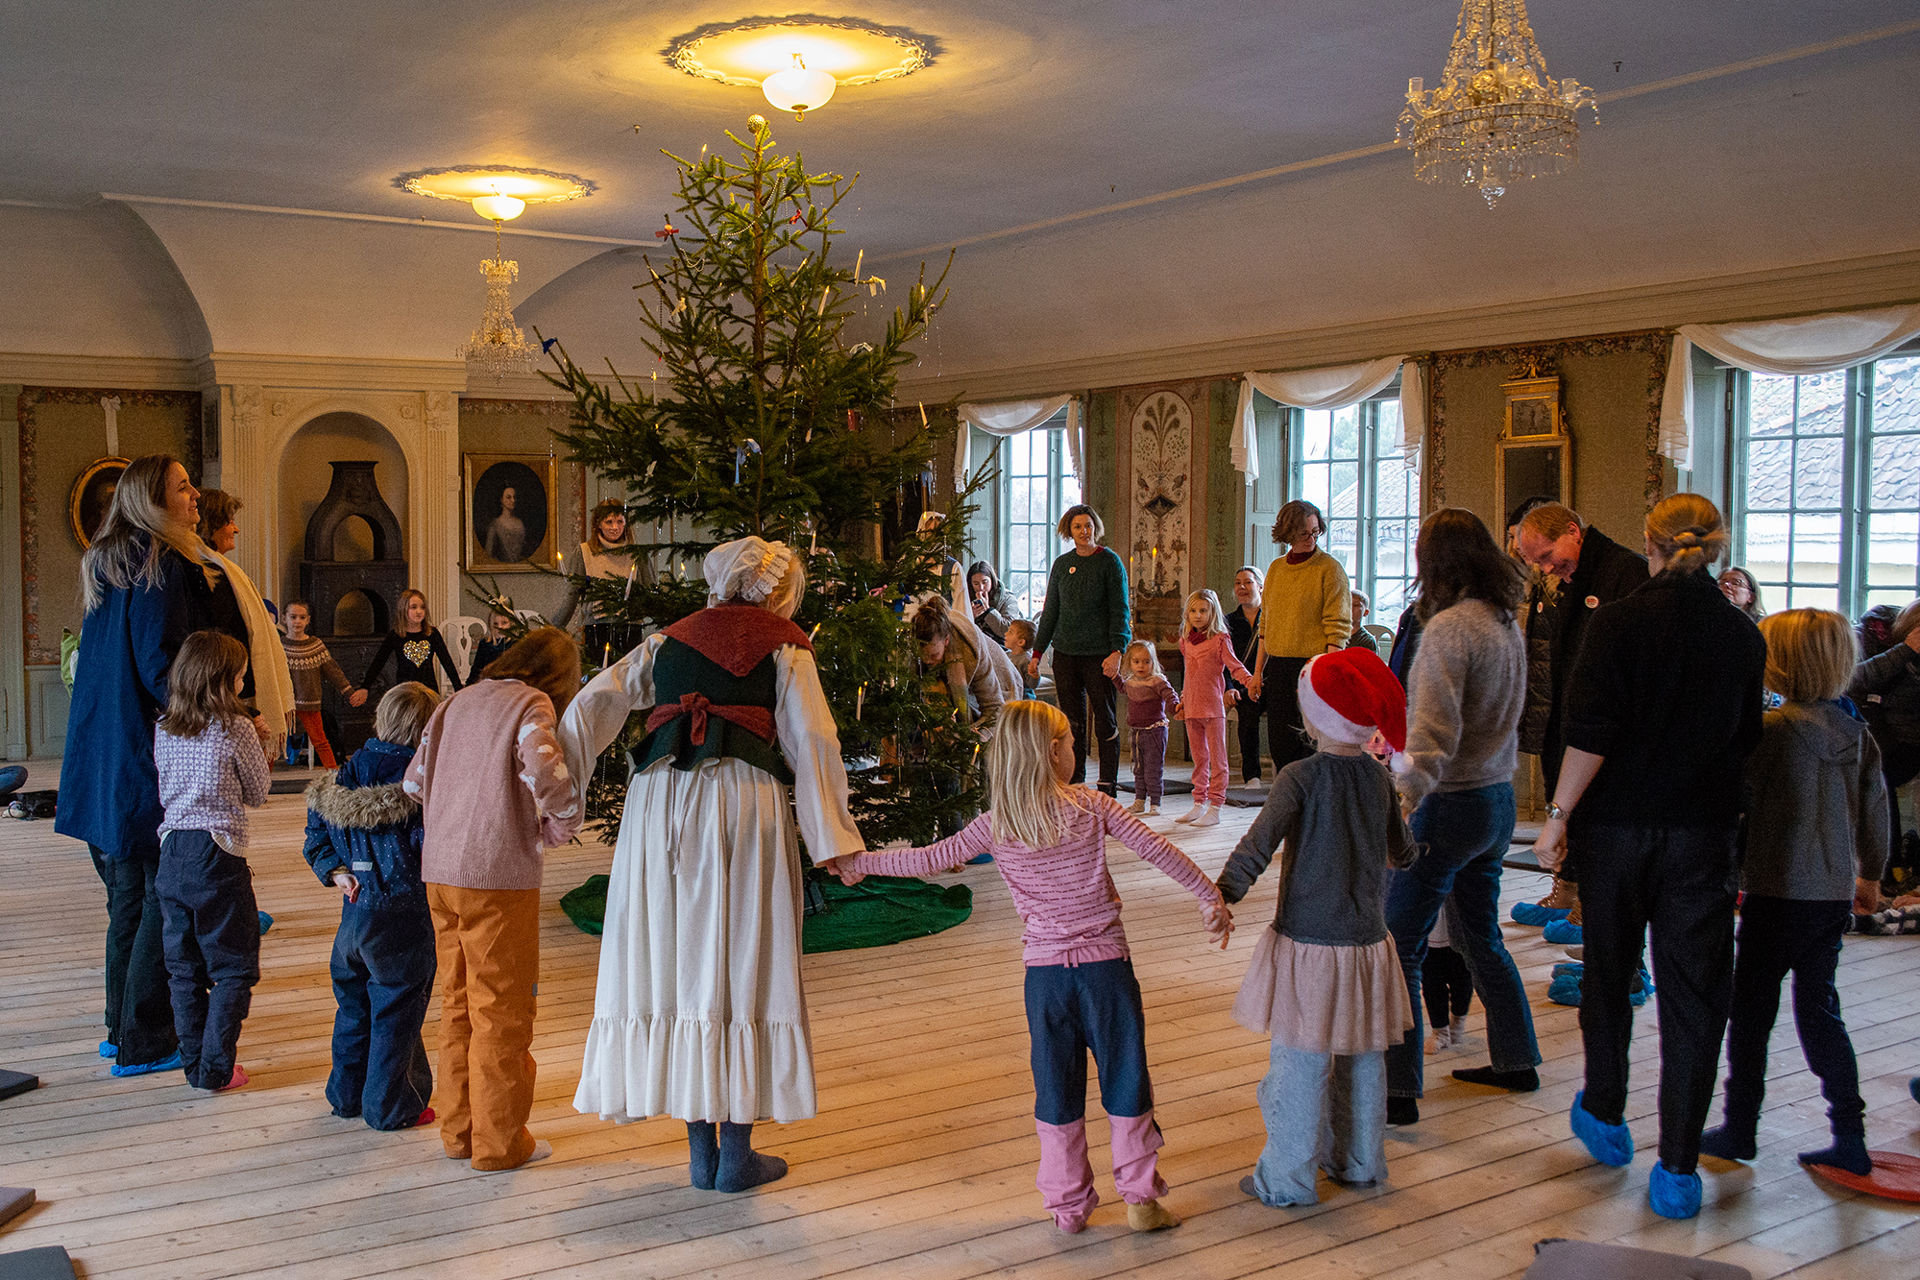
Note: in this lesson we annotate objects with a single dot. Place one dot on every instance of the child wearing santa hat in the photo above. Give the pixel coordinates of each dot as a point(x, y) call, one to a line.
point(1325, 981)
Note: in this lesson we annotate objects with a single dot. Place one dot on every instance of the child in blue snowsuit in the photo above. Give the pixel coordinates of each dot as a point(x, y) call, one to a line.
point(363, 837)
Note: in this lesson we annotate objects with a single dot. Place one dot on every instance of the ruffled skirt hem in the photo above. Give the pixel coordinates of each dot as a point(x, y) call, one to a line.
point(1325, 999)
point(692, 1069)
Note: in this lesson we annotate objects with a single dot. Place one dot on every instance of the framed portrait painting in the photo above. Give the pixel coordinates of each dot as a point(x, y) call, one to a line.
point(91, 496)
point(512, 511)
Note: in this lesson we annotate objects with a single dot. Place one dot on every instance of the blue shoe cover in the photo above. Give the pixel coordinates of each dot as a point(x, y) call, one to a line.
point(146, 1068)
point(1646, 980)
point(266, 922)
point(108, 1049)
point(1566, 967)
point(1610, 1144)
point(980, 860)
point(1565, 990)
point(1673, 1195)
point(1535, 915)
point(1562, 934)
point(1913, 1087)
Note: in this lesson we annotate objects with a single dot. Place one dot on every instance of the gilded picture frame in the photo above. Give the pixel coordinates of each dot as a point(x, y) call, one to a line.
point(512, 512)
point(92, 494)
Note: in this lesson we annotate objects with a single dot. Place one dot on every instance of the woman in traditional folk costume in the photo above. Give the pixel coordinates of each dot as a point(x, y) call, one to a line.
point(699, 1012)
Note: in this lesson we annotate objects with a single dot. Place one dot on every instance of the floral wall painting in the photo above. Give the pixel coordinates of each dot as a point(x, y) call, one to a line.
point(512, 512)
point(1160, 432)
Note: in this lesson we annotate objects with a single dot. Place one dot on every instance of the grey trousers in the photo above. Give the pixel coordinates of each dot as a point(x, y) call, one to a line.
point(1322, 1111)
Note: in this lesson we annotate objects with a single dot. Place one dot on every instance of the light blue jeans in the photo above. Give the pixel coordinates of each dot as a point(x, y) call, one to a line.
point(1322, 1111)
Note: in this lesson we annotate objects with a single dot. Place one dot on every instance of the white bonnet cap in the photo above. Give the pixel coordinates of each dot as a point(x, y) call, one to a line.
point(752, 570)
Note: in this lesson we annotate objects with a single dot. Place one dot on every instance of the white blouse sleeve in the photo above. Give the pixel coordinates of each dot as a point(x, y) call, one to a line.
point(598, 712)
point(811, 744)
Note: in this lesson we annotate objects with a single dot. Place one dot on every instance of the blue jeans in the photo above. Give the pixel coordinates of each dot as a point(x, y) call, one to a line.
point(1073, 1010)
point(1322, 1111)
point(1463, 835)
point(211, 933)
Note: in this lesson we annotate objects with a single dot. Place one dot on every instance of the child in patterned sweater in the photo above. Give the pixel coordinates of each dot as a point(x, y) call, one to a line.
point(1049, 843)
point(211, 769)
point(307, 661)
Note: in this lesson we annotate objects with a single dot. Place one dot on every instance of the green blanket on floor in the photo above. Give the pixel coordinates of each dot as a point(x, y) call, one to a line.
point(877, 912)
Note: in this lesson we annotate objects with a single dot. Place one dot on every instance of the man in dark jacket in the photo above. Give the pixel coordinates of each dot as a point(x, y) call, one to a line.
point(1592, 570)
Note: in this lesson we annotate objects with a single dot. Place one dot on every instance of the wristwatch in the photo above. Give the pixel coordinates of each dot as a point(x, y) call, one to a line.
point(1555, 811)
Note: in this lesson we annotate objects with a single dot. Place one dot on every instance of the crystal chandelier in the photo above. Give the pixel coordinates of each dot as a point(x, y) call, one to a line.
point(498, 347)
point(1497, 116)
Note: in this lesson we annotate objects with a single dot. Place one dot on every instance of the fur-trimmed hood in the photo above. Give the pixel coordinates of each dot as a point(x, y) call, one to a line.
point(361, 808)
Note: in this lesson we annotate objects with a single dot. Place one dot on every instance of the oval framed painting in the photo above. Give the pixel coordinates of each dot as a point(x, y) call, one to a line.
point(92, 495)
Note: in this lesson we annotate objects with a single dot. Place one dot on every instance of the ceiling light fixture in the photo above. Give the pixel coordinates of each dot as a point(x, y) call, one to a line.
point(498, 347)
point(508, 187)
point(800, 60)
point(1497, 117)
point(797, 89)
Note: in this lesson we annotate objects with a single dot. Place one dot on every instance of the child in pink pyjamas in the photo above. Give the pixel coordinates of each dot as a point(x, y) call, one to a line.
point(1206, 651)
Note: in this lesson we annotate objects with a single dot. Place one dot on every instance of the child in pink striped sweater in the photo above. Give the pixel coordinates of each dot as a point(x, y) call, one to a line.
point(1049, 843)
point(1206, 651)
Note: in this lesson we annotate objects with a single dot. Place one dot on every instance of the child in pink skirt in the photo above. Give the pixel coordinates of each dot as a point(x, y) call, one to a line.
point(1325, 981)
point(1206, 651)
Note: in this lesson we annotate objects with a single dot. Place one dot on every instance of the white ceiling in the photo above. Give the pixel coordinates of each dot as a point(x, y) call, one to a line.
point(1788, 141)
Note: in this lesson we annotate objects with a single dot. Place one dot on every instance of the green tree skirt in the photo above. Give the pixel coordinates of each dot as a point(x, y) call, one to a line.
point(877, 912)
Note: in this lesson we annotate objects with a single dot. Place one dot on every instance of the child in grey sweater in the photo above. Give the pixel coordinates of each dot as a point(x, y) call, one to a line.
point(1816, 848)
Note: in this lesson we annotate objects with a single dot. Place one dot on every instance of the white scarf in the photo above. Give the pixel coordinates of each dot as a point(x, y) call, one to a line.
point(272, 684)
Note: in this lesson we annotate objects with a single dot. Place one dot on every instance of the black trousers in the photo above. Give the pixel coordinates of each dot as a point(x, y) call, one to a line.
point(139, 1016)
point(1899, 764)
point(1446, 985)
point(1781, 936)
point(1079, 682)
point(213, 950)
point(1280, 700)
point(1679, 882)
point(1247, 726)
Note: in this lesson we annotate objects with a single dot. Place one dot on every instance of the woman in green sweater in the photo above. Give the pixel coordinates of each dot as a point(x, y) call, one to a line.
point(1088, 622)
point(1306, 610)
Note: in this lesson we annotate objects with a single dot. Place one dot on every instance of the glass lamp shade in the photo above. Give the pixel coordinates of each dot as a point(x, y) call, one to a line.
point(797, 89)
point(499, 208)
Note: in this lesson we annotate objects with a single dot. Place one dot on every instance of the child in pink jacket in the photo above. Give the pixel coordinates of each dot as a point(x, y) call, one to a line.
point(1206, 652)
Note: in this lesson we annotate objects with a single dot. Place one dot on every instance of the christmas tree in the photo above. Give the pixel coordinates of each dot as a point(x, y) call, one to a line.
point(763, 418)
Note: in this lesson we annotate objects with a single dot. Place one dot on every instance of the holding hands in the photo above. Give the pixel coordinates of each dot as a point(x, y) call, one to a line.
point(843, 868)
point(1218, 922)
point(358, 698)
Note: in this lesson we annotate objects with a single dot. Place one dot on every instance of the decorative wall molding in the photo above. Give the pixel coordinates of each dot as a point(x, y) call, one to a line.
point(331, 373)
point(1879, 280)
point(1160, 425)
point(143, 373)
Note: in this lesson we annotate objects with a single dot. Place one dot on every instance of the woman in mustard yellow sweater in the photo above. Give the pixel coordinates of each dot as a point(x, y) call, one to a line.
point(1306, 611)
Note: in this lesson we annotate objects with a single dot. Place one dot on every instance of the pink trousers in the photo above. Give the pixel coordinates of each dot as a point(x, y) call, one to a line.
point(1207, 741)
point(1066, 1176)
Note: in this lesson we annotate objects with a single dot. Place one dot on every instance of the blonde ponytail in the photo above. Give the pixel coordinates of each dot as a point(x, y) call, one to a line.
point(1687, 531)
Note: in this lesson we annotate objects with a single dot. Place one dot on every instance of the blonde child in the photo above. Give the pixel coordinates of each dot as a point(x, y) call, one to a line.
point(308, 662)
point(1049, 841)
point(414, 645)
point(1325, 982)
point(1206, 651)
point(364, 835)
point(1817, 822)
point(494, 794)
point(212, 769)
point(1150, 702)
point(1020, 651)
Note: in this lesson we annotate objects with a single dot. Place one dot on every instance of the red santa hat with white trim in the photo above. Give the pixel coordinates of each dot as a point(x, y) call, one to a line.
point(1348, 694)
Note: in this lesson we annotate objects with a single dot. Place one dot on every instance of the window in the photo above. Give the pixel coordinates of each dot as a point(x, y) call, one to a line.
point(1826, 484)
point(1348, 463)
point(1036, 484)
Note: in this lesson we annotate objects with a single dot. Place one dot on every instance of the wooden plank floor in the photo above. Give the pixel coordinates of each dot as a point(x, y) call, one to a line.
point(921, 1162)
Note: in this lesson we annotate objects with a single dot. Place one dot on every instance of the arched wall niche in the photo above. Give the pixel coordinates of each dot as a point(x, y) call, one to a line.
point(304, 474)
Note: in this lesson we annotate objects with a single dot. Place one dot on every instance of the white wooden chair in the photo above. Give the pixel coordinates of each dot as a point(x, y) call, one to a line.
point(462, 634)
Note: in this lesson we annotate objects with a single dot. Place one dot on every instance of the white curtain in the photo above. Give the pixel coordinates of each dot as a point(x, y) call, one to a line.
point(1010, 418)
point(1805, 344)
point(1333, 387)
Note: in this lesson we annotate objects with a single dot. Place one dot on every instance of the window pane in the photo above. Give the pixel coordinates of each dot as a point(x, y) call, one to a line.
point(1342, 542)
point(1346, 432)
point(1313, 486)
point(1816, 473)
point(1768, 538)
point(1814, 598)
point(1823, 403)
point(1316, 434)
point(1893, 549)
point(1769, 475)
point(1896, 470)
point(1770, 405)
point(1344, 500)
point(1816, 549)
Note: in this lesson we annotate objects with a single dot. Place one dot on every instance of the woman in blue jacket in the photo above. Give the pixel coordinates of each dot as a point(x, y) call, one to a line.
point(144, 593)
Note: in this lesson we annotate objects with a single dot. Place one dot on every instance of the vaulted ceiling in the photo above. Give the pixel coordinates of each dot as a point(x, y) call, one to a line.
point(1125, 179)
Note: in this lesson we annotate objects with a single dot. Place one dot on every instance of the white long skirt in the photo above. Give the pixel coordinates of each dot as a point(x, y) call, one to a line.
point(699, 1012)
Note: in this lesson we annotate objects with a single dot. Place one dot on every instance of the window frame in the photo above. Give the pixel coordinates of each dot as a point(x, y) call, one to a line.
point(1370, 456)
point(1059, 475)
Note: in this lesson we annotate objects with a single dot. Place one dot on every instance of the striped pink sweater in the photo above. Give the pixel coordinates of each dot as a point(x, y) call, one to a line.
point(1064, 894)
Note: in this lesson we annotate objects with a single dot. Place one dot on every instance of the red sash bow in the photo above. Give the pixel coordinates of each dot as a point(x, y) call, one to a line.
point(755, 720)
